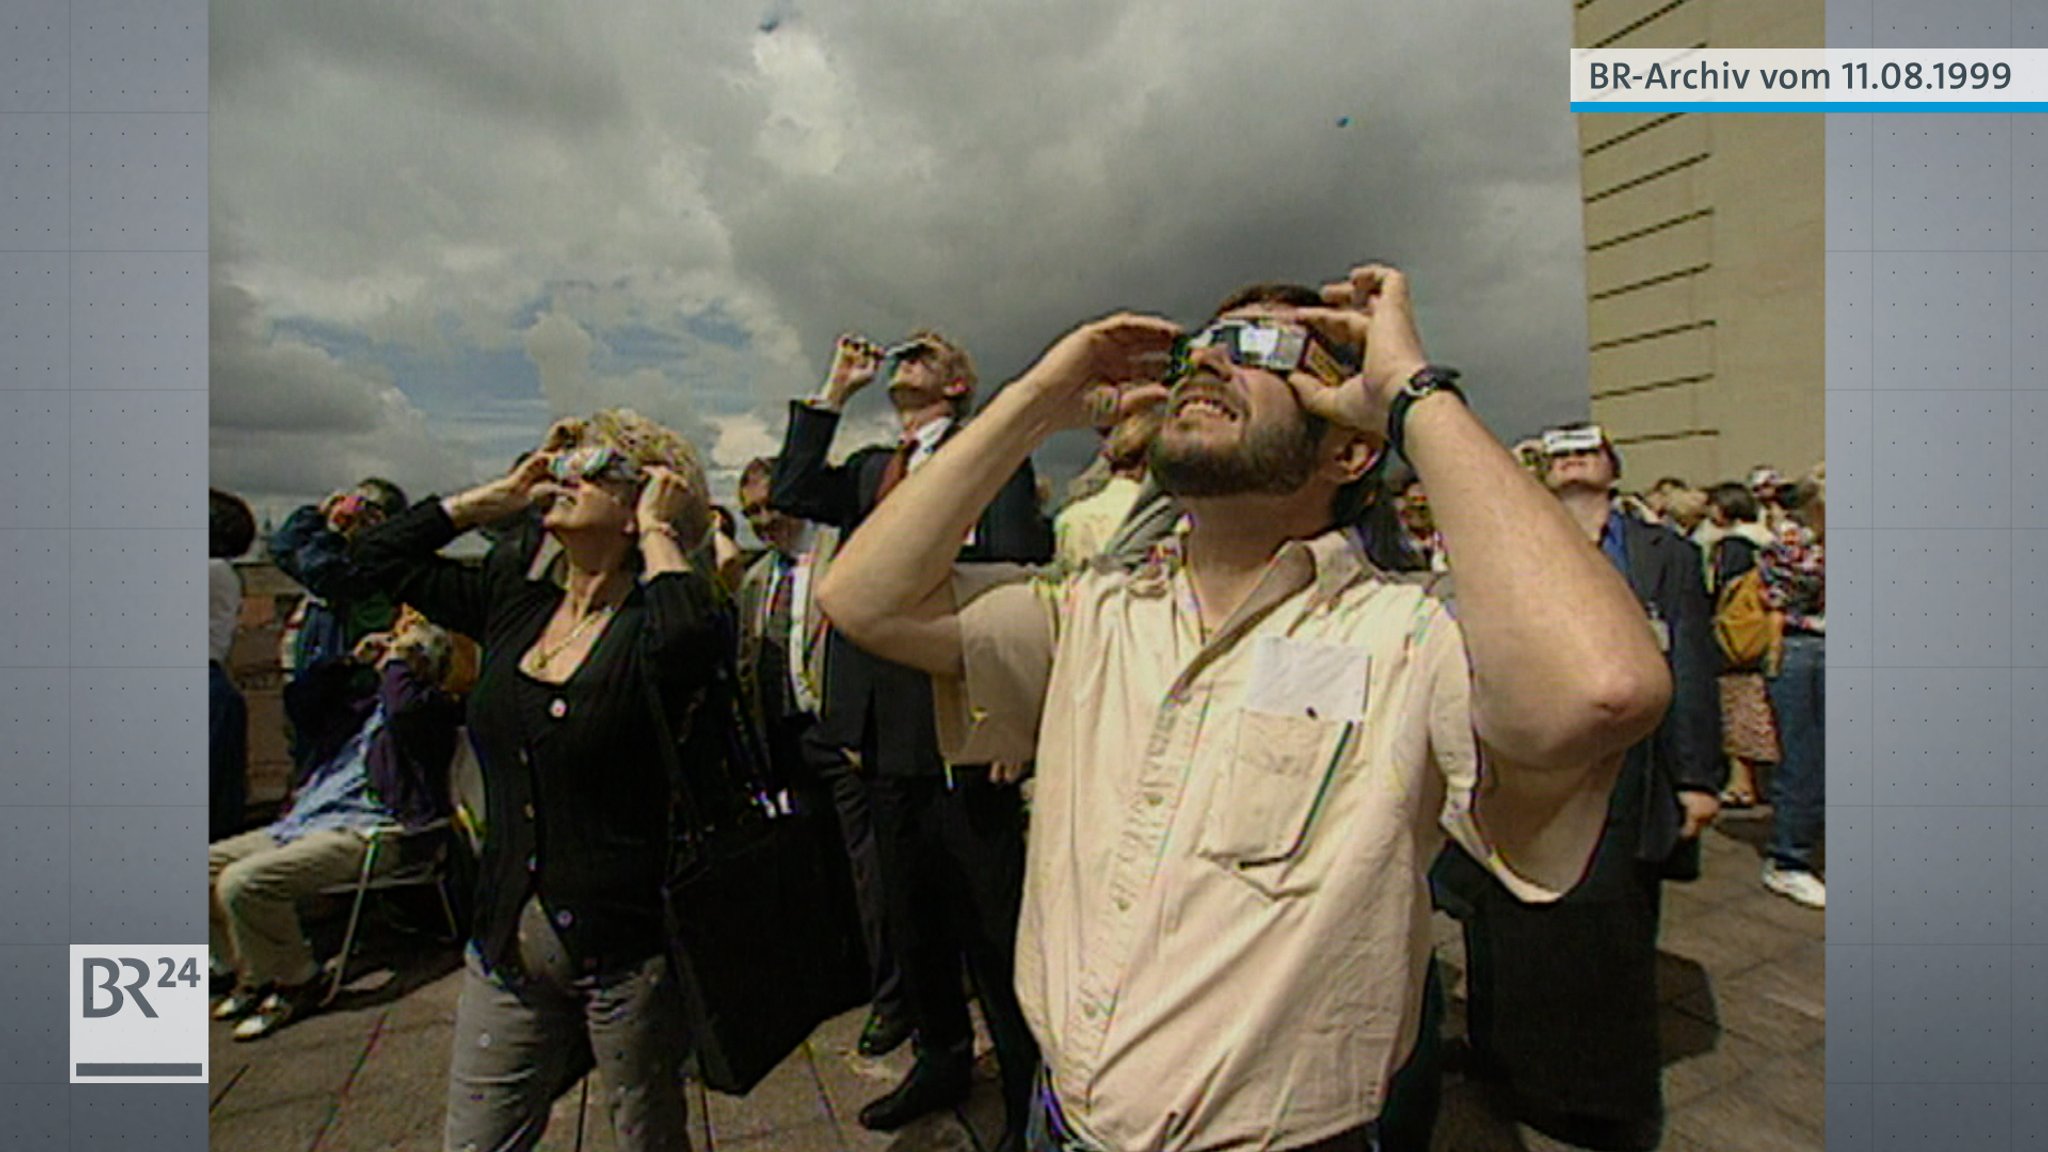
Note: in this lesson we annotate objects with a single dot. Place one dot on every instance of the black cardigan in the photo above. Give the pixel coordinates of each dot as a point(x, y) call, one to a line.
point(577, 792)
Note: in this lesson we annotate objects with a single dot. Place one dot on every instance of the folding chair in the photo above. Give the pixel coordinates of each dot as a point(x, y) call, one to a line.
point(431, 870)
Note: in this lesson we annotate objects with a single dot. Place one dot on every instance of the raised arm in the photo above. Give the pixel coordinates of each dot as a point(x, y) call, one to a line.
point(888, 588)
point(1566, 672)
point(805, 484)
point(311, 552)
point(400, 556)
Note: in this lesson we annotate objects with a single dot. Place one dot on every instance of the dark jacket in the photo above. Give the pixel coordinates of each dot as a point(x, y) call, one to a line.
point(577, 786)
point(879, 708)
point(408, 761)
point(348, 606)
point(1684, 754)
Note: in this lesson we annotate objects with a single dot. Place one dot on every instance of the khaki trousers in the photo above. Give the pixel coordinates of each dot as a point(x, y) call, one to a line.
point(254, 885)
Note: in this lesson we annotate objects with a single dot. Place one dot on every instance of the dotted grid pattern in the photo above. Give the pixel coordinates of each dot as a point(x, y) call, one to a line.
point(103, 345)
point(1937, 296)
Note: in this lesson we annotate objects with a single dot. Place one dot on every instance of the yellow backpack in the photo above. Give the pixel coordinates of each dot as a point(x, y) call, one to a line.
point(1745, 627)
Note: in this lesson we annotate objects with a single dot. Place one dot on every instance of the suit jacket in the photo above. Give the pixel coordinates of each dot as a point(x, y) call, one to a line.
point(881, 709)
point(1684, 754)
point(809, 655)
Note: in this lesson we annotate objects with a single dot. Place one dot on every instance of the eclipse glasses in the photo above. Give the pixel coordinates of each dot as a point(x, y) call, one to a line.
point(591, 462)
point(1274, 345)
point(1572, 441)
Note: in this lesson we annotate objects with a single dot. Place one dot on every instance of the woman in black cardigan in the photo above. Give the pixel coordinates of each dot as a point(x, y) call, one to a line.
point(587, 617)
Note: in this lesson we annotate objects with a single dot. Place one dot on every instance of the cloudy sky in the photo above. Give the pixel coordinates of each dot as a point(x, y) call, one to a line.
point(437, 226)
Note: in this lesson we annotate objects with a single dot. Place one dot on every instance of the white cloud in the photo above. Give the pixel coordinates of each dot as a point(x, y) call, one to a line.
point(577, 184)
point(291, 422)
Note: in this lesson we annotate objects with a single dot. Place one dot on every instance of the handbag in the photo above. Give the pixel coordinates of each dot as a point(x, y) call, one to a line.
point(758, 893)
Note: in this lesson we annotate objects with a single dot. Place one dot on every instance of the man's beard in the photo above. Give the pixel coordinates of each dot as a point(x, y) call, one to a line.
point(1268, 459)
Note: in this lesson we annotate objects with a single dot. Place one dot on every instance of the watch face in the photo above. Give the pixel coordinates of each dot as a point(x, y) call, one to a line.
point(1428, 380)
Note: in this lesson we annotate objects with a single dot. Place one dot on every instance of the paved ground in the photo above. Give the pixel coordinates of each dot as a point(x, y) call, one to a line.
point(1743, 986)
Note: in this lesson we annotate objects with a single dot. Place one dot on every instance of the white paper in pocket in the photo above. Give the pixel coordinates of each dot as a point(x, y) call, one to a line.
point(1306, 678)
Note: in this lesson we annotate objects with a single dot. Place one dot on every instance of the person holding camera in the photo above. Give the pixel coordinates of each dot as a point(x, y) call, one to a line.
point(1250, 747)
point(589, 619)
point(312, 547)
point(949, 833)
point(379, 756)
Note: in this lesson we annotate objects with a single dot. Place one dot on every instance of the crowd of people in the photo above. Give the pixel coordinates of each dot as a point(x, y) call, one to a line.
point(1269, 704)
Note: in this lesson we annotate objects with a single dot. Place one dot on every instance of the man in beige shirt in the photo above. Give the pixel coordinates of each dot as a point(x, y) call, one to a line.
point(1251, 746)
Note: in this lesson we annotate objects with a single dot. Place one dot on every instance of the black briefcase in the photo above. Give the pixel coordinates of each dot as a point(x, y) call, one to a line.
point(762, 925)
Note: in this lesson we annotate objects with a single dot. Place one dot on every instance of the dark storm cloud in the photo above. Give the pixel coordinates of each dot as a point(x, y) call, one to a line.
point(436, 175)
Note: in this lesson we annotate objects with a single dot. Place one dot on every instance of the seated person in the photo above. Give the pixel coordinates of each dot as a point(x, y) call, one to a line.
point(381, 745)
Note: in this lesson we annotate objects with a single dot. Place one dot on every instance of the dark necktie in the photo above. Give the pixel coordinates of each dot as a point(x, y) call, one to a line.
point(898, 468)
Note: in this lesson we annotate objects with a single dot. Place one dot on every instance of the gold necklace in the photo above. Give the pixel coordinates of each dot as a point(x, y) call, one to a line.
point(542, 654)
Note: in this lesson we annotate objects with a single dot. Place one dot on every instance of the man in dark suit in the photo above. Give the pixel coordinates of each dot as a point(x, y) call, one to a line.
point(781, 662)
point(950, 835)
point(1563, 997)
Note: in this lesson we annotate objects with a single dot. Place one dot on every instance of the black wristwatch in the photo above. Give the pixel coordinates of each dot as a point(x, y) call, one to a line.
point(1427, 381)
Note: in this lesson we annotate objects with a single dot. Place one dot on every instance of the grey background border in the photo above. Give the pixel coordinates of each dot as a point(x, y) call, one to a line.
point(103, 344)
point(1937, 411)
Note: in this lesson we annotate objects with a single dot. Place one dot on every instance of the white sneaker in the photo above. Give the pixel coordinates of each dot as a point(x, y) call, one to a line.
point(1797, 885)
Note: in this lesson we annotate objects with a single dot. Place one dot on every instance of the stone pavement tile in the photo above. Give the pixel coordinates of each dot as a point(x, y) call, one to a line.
point(1808, 965)
point(597, 1125)
point(982, 1115)
point(1812, 922)
point(1736, 1118)
point(280, 1122)
point(789, 1097)
point(1724, 881)
point(1681, 906)
point(1796, 1086)
point(429, 1006)
point(809, 1138)
point(560, 1134)
point(1466, 1123)
point(311, 1059)
point(1766, 1004)
point(1677, 1142)
point(1728, 940)
point(941, 1133)
point(1712, 1058)
point(1445, 932)
point(399, 1095)
point(1679, 976)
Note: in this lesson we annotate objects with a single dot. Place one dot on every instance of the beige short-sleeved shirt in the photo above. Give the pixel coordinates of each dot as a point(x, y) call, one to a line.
point(1225, 917)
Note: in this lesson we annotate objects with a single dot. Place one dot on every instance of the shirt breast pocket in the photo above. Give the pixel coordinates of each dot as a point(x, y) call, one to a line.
point(1280, 773)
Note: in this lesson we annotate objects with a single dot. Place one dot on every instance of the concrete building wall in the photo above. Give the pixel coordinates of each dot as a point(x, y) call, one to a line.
point(1705, 257)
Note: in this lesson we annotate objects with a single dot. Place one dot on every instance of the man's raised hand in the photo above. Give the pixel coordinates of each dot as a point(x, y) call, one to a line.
point(1088, 371)
point(856, 361)
point(1371, 310)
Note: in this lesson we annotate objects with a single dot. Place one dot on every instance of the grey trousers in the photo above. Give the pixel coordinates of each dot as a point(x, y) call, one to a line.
point(522, 1037)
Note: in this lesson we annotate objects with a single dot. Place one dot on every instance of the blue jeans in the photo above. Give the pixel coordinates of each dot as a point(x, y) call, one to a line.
point(1799, 795)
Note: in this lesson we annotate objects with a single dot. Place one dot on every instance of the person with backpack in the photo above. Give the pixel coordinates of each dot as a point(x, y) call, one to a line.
point(1793, 578)
point(1749, 735)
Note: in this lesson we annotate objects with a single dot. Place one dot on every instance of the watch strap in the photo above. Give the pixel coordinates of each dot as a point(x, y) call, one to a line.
point(1427, 381)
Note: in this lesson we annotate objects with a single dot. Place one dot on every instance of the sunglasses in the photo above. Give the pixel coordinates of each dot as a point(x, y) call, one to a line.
point(1273, 345)
point(592, 462)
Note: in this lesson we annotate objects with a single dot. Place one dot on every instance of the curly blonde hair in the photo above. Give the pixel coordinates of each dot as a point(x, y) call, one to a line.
point(642, 443)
